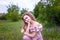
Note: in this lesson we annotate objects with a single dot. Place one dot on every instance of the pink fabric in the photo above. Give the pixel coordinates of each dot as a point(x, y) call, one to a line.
point(25, 37)
point(36, 29)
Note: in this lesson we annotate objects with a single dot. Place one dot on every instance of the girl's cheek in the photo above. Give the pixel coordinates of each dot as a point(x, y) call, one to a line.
point(29, 19)
point(25, 21)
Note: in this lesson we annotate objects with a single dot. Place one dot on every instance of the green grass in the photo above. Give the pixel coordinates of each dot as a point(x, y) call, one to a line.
point(51, 33)
point(11, 31)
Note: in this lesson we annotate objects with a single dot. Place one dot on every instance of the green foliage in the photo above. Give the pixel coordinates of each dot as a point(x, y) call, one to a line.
point(49, 13)
point(13, 13)
point(2, 17)
point(23, 11)
point(38, 9)
point(13, 9)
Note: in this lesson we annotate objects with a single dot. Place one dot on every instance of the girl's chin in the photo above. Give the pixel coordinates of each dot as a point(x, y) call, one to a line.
point(27, 22)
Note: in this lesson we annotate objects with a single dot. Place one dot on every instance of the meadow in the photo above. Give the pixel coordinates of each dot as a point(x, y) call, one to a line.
point(11, 31)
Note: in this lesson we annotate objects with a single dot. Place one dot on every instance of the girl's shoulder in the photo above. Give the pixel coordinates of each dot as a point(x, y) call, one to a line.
point(37, 27)
point(37, 24)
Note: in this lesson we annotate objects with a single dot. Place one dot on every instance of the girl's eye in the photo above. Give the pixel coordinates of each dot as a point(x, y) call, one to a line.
point(26, 17)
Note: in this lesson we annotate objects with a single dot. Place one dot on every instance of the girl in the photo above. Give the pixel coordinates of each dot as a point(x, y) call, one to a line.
point(32, 29)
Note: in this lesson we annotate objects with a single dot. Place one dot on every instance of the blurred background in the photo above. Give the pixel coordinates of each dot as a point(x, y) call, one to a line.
point(47, 12)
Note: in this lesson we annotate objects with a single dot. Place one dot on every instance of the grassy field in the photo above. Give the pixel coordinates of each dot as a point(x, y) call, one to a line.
point(11, 31)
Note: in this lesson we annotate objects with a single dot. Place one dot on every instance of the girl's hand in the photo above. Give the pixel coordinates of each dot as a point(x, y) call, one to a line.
point(22, 30)
point(27, 30)
point(28, 24)
point(25, 33)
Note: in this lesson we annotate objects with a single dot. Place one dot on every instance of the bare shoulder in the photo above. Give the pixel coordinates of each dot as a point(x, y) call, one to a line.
point(37, 23)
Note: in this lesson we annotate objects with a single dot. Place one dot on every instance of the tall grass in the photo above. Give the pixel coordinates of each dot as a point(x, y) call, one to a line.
point(51, 33)
point(11, 31)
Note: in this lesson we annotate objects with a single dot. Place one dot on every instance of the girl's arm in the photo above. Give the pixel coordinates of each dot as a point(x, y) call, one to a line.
point(27, 29)
point(31, 35)
point(27, 32)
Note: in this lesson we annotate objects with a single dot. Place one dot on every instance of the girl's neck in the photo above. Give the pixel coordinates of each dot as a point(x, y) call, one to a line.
point(32, 22)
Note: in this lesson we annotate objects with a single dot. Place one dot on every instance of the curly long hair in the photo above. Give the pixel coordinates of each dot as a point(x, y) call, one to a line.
point(30, 15)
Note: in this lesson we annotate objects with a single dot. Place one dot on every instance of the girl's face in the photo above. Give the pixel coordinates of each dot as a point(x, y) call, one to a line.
point(27, 18)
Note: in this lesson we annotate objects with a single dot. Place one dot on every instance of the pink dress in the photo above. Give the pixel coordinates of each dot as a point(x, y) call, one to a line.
point(36, 29)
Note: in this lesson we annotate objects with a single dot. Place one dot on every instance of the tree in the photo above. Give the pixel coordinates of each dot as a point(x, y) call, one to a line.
point(48, 13)
point(13, 13)
point(23, 11)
